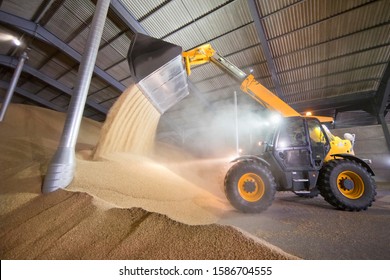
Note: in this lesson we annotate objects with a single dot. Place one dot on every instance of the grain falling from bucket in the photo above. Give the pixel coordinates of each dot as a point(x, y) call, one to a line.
point(123, 172)
point(130, 126)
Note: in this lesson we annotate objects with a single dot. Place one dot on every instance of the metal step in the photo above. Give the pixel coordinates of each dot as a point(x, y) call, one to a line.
point(301, 180)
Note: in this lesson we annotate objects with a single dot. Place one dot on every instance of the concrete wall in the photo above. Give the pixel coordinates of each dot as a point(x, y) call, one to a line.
point(370, 143)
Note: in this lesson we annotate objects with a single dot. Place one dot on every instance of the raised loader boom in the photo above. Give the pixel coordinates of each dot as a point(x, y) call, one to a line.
point(249, 85)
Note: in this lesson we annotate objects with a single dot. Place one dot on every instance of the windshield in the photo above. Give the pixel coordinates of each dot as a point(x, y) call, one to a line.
point(328, 133)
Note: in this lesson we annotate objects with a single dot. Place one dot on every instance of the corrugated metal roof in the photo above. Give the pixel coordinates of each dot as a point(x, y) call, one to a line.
point(102, 95)
point(110, 31)
point(31, 84)
point(215, 83)
point(69, 79)
point(96, 85)
point(61, 100)
point(227, 18)
point(120, 70)
point(198, 9)
point(78, 43)
point(64, 22)
point(127, 82)
point(345, 63)
point(268, 7)
point(48, 93)
point(121, 45)
point(331, 29)
point(187, 37)
point(242, 38)
point(80, 9)
point(166, 19)
point(37, 56)
point(107, 57)
point(305, 13)
point(224, 20)
point(248, 57)
point(141, 8)
point(347, 45)
point(204, 72)
point(54, 69)
point(23, 9)
point(320, 48)
point(108, 104)
point(364, 74)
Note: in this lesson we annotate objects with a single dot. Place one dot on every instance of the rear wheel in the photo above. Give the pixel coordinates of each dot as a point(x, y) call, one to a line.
point(250, 187)
point(347, 185)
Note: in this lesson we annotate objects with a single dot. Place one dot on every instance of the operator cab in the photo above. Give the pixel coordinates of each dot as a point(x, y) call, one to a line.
point(300, 146)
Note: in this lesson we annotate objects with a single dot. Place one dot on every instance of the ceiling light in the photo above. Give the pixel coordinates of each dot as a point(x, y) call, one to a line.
point(16, 41)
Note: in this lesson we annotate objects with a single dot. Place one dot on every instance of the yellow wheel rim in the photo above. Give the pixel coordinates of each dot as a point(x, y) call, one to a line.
point(251, 187)
point(350, 184)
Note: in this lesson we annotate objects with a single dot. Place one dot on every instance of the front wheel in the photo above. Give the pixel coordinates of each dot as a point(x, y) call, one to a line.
point(250, 186)
point(347, 185)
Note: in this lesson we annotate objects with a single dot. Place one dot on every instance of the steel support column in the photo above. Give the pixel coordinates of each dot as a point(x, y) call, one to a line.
point(61, 169)
point(382, 107)
point(14, 81)
point(385, 129)
point(264, 44)
point(381, 102)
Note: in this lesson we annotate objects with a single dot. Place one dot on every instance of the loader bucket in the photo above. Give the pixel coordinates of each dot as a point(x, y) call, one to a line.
point(157, 67)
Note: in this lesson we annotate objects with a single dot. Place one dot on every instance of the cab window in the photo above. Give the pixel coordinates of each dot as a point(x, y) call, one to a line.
point(318, 141)
point(292, 134)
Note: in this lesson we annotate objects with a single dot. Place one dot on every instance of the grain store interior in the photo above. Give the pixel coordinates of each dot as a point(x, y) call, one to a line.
point(154, 175)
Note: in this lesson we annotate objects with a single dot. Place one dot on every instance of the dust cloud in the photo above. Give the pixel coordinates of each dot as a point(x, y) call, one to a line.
point(213, 130)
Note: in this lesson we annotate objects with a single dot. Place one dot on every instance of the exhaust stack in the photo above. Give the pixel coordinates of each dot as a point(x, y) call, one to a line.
point(157, 67)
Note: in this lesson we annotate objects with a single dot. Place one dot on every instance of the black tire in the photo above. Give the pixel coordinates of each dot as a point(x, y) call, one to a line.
point(250, 187)
point(313, 193)
point(347, 185)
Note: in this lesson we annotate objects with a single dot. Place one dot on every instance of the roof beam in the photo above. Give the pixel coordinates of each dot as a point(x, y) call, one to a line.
point(42, 9)
point(50, 10)
point(254, 9)
point(382, 102)
point(12, 62)
point(37, 31)
point(383, 92)
point(127, 17)
point(33, 97)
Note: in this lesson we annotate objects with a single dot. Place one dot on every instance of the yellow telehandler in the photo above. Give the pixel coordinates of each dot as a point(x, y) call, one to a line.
point(301, 155)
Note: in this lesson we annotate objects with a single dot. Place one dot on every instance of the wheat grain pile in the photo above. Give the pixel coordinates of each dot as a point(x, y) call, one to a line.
point(123, 202)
